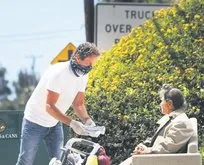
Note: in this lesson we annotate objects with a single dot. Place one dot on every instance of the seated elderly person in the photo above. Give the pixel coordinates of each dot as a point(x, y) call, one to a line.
point(175, 127)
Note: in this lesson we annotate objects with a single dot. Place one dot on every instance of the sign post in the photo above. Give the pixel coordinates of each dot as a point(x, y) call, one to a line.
point(114, 20)
point(65, 54)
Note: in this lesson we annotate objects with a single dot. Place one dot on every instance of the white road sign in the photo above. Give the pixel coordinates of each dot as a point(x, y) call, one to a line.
point(114, 20)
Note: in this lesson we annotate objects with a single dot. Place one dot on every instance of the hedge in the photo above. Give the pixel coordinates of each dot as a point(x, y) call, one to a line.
point(122, 91)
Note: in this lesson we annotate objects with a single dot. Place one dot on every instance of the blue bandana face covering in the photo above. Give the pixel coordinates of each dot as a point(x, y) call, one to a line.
point(78, 69)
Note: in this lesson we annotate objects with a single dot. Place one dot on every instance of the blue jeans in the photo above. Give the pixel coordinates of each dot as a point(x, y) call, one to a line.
point(31, 136)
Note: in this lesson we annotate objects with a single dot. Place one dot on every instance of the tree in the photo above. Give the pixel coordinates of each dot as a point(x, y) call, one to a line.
point(24, 88)
point(4, 89)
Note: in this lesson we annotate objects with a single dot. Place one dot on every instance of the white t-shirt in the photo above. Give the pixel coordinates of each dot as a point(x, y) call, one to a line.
point(60, 79)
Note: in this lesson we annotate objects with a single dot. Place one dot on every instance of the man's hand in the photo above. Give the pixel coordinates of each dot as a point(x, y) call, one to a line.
point(78, 127)
point(89, 122)
point(142, 149)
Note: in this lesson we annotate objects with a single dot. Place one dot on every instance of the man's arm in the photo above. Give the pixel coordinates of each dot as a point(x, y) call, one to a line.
point(79, 107)
point(51, 108)
point(172, 140)
point(176, 137)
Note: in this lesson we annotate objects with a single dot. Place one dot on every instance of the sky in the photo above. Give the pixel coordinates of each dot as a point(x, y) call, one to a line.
point(39, 30)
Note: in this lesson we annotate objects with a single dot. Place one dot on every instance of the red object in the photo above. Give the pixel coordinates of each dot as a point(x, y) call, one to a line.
point(103, 159)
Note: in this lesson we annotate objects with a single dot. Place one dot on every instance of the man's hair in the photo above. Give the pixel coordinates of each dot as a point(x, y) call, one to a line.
point(175, 95)
point(86, 49)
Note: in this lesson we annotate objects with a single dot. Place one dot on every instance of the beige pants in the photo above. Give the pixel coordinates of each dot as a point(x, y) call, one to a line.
point(128, 161)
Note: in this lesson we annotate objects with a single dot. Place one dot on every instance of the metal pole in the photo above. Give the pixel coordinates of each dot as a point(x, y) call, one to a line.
point(89, 20)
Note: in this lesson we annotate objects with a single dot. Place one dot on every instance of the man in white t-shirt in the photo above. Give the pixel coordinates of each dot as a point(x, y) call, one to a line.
point(62, 85)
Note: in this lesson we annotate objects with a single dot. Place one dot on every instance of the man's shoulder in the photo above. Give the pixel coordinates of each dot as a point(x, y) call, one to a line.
point(58, 67)
point(182, 117)
point(182, 121)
